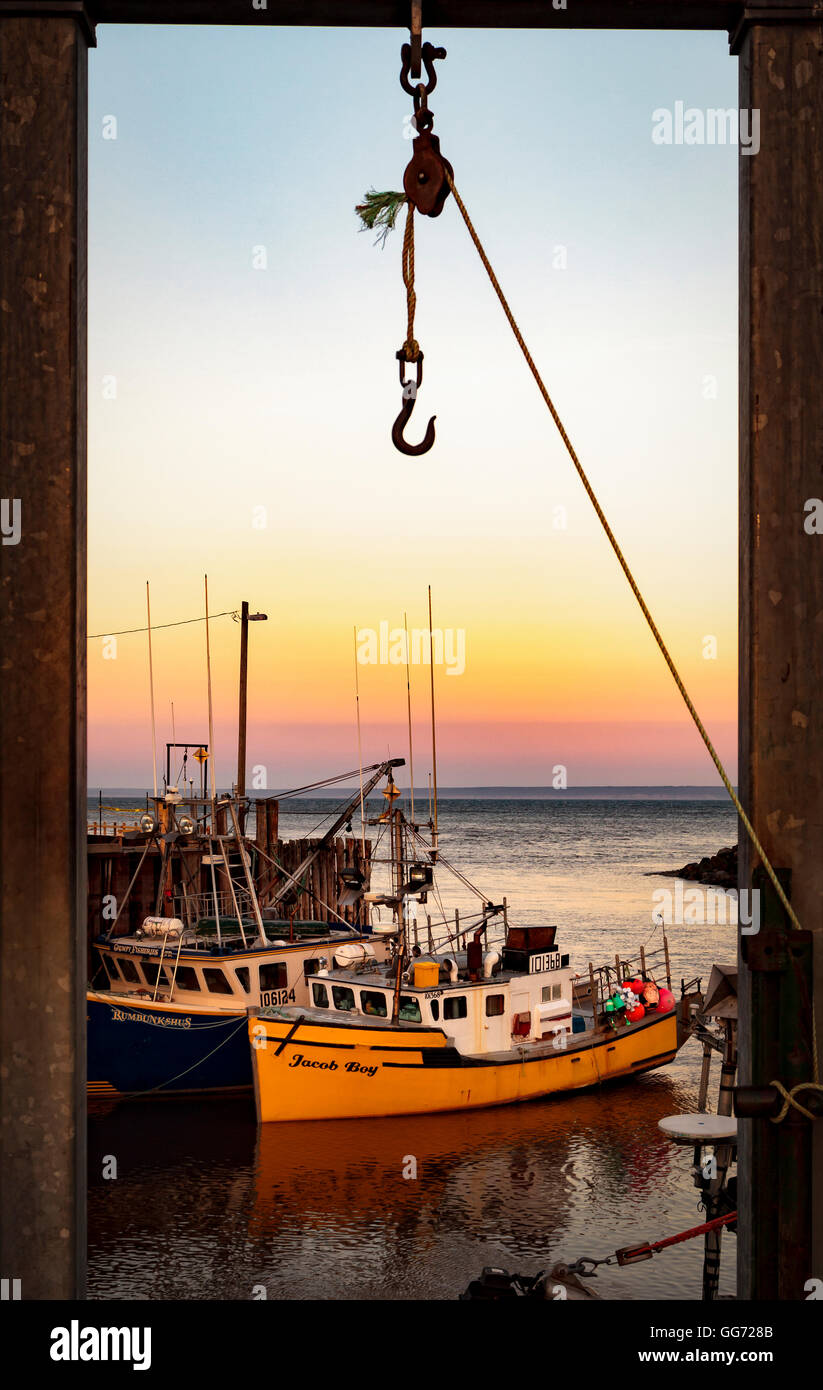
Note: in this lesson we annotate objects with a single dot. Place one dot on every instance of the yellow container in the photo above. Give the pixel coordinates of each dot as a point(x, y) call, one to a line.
point(426, 974)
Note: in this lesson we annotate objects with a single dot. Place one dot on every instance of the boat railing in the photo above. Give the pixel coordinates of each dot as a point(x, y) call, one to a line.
point(111, 828)
point(603, 980)
point(192, 908)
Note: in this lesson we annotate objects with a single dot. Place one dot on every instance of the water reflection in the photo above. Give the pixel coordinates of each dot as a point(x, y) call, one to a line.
point(205, 1206)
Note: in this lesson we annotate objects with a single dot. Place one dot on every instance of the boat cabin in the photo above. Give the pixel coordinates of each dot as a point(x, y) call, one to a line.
point(175, 964)
point(485, 1001)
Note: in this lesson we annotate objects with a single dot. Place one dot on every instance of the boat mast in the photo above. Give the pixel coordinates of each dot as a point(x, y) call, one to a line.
point(359, 747)
point(434, 735)
point(397, 874)
point(151, 693)
point(408, 705)
point(211, 717)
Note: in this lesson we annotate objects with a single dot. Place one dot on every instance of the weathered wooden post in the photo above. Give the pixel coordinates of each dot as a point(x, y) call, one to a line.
point(43, 115)
point(781, 611)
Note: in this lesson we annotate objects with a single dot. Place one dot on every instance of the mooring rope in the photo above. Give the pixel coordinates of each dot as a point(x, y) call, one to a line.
point(634, 1253)
point(624, 565)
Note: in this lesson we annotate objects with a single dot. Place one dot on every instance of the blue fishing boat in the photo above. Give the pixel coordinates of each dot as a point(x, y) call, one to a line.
point(174, 1021)
point(171, 1016)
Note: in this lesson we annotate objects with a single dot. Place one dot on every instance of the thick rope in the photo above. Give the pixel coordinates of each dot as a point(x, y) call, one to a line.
point(411, 347)
point(789, 1101)
point(750, 830)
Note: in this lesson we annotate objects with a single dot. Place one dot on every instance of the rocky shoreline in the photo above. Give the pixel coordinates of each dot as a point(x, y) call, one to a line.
point(717, 870)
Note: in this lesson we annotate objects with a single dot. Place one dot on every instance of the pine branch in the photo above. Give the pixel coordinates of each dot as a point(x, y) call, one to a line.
point(378, 212)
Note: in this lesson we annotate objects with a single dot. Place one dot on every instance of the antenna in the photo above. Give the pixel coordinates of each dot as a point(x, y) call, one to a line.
point(359, 746)
point(434, 735)
point(151, 692)
point(211, 719)
point(408, 703)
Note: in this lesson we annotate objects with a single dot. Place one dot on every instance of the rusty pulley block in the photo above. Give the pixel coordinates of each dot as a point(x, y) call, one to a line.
point(424, 182)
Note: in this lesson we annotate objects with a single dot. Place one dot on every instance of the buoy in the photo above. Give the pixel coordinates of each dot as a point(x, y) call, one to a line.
point(635, 1015)
point(666, 1001)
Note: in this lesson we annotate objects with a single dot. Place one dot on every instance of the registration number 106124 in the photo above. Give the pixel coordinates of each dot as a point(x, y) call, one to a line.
point(268, 997)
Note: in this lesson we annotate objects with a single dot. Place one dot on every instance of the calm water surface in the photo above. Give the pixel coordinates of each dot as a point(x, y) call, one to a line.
point(206, 1206)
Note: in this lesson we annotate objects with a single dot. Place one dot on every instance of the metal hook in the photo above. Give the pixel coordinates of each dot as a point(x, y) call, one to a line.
point(410, 389)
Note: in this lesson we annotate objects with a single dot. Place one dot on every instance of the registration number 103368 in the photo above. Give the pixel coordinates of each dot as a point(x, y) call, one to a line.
point(268, 997)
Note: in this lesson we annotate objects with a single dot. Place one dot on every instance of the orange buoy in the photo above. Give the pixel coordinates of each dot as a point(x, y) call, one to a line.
point(635, 1015)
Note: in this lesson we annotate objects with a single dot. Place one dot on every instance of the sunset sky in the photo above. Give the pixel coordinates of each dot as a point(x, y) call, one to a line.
point(240, 417)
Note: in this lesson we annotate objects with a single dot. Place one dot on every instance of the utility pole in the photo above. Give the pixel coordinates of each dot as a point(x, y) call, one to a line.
point(245, 619)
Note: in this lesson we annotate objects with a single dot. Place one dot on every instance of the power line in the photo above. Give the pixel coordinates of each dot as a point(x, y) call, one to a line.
point(227, 613)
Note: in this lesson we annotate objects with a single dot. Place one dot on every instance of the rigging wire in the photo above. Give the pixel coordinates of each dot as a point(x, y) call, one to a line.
point(155, 627)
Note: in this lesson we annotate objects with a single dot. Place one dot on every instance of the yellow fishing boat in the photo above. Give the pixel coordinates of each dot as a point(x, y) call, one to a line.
point(473, 1028)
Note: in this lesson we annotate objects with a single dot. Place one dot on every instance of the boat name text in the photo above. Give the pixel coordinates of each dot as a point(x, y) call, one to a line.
point(158, 1021)
point(300, 1061)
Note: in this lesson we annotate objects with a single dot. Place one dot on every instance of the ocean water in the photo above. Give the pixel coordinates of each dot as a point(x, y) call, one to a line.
point(204, 1206)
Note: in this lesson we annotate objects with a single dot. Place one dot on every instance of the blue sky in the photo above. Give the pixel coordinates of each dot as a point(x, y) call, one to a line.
point(238, 388)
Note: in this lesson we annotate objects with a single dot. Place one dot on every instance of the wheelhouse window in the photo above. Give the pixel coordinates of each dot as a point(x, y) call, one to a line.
point(552, 992)
point(311, 967)
point(186, 978)
point(242, 973)
point(373, 1002)
point(435, 1008)
point(495, 1005)
point(111, 968)
point(274, 975)
point(320, 996)
point(216, 982)
point(150, 969)
point(409, 1011)
point(455, 1006)
point(128, 970)
point(343, 997)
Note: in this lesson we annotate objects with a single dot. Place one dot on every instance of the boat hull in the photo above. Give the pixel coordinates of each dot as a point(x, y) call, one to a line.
point(137, 1047)
point(316, 1070)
